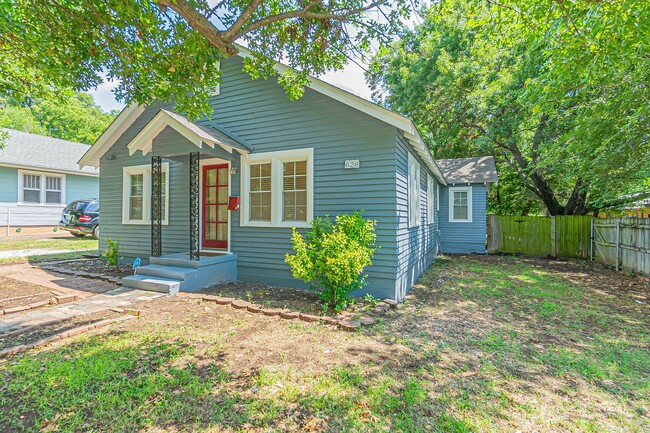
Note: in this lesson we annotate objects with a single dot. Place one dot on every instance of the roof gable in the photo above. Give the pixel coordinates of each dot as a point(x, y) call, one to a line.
point(404, 124)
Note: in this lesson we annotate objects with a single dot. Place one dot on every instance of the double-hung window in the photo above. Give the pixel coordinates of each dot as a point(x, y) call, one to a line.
point(277, 188)
point(460, 204)
point(414, 192)
point(431, 210)
point(38, 188)
point(136, 194)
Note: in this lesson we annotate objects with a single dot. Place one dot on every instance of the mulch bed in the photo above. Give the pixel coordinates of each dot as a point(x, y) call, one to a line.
point(94, 266)
point(286, 298)
point(32, 335)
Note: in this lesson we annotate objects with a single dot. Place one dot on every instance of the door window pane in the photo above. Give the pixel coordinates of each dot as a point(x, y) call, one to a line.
point(294, 191)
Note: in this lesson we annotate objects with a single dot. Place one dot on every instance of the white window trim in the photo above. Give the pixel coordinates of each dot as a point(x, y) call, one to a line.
point(467, 189)
point(276, 159)
point(414, 205)
point(145, 170)
point(43, 175)
point(431, 211)
point(217, 90)
point(438, 197)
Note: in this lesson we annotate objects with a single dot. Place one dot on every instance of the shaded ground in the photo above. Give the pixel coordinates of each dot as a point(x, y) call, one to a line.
point(99, 266)
point(484, 344)
point(305, 301)
point(33, 335)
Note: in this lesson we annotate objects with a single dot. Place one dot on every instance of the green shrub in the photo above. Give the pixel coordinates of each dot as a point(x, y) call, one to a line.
point(332, 256)
point(112, 252)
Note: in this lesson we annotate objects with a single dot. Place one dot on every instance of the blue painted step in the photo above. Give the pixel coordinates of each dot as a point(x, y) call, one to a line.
point(175, 272)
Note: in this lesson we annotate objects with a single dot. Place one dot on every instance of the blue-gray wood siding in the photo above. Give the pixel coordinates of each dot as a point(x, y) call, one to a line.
point(461, 237)
point(259, 112)
point(416, 246)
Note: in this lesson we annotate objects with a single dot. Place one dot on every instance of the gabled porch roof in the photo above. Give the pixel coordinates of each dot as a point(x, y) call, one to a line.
point(197, 134)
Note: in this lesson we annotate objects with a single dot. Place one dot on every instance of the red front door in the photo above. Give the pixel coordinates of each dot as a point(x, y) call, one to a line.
point(215, 206)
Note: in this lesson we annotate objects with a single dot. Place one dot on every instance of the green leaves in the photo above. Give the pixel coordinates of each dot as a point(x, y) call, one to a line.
point(333, 256)
point(558, 92)
point(75, 117)
point(161, 50)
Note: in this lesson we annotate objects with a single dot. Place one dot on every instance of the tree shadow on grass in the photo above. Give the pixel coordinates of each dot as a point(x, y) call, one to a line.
point(113, 382)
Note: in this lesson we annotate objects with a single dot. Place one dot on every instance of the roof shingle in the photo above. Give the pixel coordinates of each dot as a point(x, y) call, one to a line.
point(42, 152)
point(468, 170)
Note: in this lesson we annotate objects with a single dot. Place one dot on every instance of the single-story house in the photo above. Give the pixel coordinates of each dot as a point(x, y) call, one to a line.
point(39, 175)
point(215, 199)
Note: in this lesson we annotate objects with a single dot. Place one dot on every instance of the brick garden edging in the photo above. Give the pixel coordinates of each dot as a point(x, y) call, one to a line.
point(83, 274)
point(344, 323)
point(58, 299)
point(63, 335)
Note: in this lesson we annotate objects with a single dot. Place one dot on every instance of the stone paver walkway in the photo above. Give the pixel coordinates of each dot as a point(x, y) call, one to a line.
point(117, 298)
point(82, 287)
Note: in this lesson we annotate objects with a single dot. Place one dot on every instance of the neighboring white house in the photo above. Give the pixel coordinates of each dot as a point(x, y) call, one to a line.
point(39, 175)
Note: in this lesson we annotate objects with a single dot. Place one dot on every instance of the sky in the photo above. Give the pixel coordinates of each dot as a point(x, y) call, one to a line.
point(350, 78)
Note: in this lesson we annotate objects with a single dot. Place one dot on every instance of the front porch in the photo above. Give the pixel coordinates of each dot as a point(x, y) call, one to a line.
point(201, 161)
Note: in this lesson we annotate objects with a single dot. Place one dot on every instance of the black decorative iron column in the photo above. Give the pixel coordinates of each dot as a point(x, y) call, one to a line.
point(194, 205)
point(156, 206)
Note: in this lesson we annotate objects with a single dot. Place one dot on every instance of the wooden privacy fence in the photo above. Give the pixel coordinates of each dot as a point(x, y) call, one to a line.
point(621, 242)
point(561, 236)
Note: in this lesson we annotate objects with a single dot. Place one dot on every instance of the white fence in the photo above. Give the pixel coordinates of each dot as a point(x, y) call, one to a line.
point(12, 217)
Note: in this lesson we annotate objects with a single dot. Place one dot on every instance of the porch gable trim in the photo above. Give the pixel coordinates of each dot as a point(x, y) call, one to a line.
point(196, 134)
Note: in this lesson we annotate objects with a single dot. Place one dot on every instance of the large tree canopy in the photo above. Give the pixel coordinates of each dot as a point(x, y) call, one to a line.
point(558, 92)
point(169, 49)
point(75, 118)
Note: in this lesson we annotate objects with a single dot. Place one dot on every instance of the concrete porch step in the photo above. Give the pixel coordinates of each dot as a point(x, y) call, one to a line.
point(154, 284)
point(178, 262)
point(171, 272)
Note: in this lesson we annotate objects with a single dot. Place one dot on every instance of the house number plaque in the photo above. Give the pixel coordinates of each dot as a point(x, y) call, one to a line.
point(352, 163)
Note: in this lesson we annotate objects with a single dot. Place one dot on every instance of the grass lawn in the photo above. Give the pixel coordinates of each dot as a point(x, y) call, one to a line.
point(58, 243)
point(76, 246)
point(484, 344)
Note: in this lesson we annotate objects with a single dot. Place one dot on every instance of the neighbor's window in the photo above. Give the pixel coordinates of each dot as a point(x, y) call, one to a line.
point(37, 188)
point(294, 191)
point(52, 190)
point(278, 186)
point(260, 192)
point(414, 191)
point(31, 188)
point(460, 204)
point(136, 194)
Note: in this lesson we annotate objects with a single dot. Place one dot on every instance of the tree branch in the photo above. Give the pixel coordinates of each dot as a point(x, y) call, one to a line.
point(201, 24)
point(304, 13)
point(245, 16)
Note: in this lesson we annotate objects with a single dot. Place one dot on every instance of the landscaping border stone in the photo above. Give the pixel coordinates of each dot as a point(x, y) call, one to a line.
point(62, 335)
point(58, 298)
point(345, 322)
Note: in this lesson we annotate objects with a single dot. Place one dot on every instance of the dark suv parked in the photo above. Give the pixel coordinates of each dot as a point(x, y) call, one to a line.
point(81, 218)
